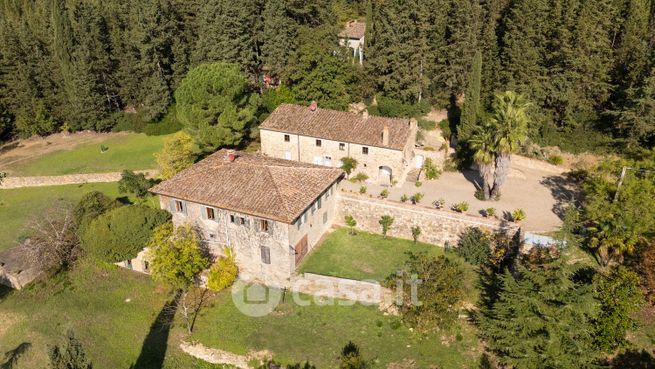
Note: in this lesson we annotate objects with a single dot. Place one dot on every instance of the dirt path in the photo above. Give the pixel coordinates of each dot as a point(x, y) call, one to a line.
point(40, 181)
point(20, 150)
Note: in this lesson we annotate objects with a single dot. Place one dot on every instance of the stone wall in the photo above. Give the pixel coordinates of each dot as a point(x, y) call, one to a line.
point(39, 181)
point(437, 226)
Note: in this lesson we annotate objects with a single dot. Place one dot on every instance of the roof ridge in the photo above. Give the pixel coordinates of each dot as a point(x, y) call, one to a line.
point(277, 190)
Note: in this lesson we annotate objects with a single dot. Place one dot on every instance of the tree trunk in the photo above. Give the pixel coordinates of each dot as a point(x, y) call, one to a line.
point(503, 165)
point(487, 179)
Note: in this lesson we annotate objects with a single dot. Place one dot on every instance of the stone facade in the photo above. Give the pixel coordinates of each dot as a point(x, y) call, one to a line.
point(437, 226)
point(264, 253)
point(376, 163)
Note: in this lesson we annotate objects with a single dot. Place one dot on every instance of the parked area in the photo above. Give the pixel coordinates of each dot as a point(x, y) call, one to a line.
point(542, 194)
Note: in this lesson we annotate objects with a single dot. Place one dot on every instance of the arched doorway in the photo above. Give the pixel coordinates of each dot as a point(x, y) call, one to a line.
point(385, 175)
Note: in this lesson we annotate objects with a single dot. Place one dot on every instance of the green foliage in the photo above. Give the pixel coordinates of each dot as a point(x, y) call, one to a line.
point(461, 207)
point(362, 189)
point(519, 325)
point(274, 365)
point(167, 125)
point(175, 255)
point(425, 124)
point(404, 198)
point(224, 271)
point(439, 203)
point(70, 355)
point(518, 215)
point(620, 297)
point(176, 155)
point(386, 221)
point(349, 164)
point(472, 105)
point(215, 105)
point(430, 169)
point(136, 184)
point(384, 193)
point(417, 197)
point(120, 234)
point(92, 205)
point(490, 212)
point(556, 160)
point(351, 358)
point(359, 177)
point(351, 223)
point(274, 97)
point(416, 232)
point(440, 291)
point(418, 184)
point(390, 107)
point(474, 245)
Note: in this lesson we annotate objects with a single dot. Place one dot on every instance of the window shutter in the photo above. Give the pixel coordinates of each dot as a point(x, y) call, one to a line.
point(171, 205)
point(184, 207)
point(204, 212)
point(257, 225)
point(265, 254)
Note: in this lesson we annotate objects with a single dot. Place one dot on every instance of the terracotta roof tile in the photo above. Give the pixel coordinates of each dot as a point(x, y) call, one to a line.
point(338, 126)
point(266, 187)
point(353, 29)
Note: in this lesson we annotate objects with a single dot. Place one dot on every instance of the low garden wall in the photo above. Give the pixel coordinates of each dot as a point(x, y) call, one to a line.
point(437, 226)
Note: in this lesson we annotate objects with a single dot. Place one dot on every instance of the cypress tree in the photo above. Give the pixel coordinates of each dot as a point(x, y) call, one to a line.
point(471, 107)
point(279, 35)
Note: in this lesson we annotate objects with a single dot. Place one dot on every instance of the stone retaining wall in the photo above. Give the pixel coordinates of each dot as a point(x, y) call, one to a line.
point(437, 226)
point(39, 181)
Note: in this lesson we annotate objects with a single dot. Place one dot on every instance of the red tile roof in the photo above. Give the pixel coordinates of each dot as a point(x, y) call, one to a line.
point(354, 30)
point(252, 184)
point(339, 126)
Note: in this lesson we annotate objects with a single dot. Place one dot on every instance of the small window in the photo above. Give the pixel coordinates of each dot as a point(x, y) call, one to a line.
point(365, 150)
point(304, 218)
point(210, 213)
point(179, 206)
point(318, 203)
point(233, 218)
point(242, 221)
point(146, 266)
point(287, 138)
point(318, 143)
point(265, 254)
point(212, 236)
point(263, 225)
point(128, 264)
point(342, 146)
point(325, 218)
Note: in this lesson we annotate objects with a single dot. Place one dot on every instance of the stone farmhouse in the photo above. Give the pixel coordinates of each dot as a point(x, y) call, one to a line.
point(270, 211)
point(352, 36)
point(383, 147)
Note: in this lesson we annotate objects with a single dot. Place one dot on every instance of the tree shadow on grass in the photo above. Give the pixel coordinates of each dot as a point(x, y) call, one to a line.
point(563, 191)
point(633, 359)
point(4, 291)
point(153, 350)
point(12, 356)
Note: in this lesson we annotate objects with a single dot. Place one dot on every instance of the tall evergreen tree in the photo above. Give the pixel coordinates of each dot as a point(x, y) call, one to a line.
point(471, 108)
point(279, 35)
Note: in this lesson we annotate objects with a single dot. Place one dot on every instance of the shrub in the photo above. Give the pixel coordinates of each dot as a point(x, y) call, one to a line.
point(176, 155)
point(385, 221)
point(390, 107)
point(518, 215)
point(446, 132)
point(474, 245)
point(224, 271)
point(384, 193)
point(490, 212)
point(359, 177)
point(479, 194)
point(167, 125)
point(461, 207)
point(348, 164)
point(121, 233)
point(430, 169)
point(404, 198)
point(351, 223)
point(91, 206)
point(439, 204)
point(416, 232)
point(427, 125)
point(418, 184)
point(351, 358)
point(417, 197)
point(136, 184)
point(556, 160)
point(362, 189)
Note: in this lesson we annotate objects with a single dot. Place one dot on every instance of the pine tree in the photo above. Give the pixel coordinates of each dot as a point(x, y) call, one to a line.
point(70, 355)
point(541, 319)
point(636, 121)
point(472, 106)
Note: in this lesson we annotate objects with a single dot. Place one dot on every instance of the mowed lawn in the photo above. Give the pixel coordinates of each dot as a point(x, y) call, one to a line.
point(317, 333)
point(131, 151)
point(18, 205)
point(110, 310)
point(362, 256)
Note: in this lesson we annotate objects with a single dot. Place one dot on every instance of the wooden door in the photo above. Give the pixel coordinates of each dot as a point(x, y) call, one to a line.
point(301, 250)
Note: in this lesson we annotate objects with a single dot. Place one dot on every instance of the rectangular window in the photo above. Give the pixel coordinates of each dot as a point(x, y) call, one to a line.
point(342, 146)
point(263, 225)
point(210, 213)
point(325, 217)
point(287, 138)
point(146, 266)
point(304, 218)
point(318, 203)
point(318, 143)
point(265, 254)
point(365, 150)
point(179, 206)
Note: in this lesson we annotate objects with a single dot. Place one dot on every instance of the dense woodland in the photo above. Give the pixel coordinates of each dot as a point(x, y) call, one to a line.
point(588, 66)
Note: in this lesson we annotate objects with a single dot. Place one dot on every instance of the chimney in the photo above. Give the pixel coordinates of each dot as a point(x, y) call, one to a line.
point(230, 156)
point(385, 136)
point(313, 106)
point(365, 114)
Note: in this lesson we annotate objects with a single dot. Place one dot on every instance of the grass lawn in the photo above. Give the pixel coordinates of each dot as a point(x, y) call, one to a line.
point(133, 151)
point(109, 309)
point(362, 256)
point(18, 205)
point(318, 333)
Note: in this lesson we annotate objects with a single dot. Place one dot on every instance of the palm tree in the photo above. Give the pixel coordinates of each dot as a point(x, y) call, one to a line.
point(482, 142)
point(510, 122)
